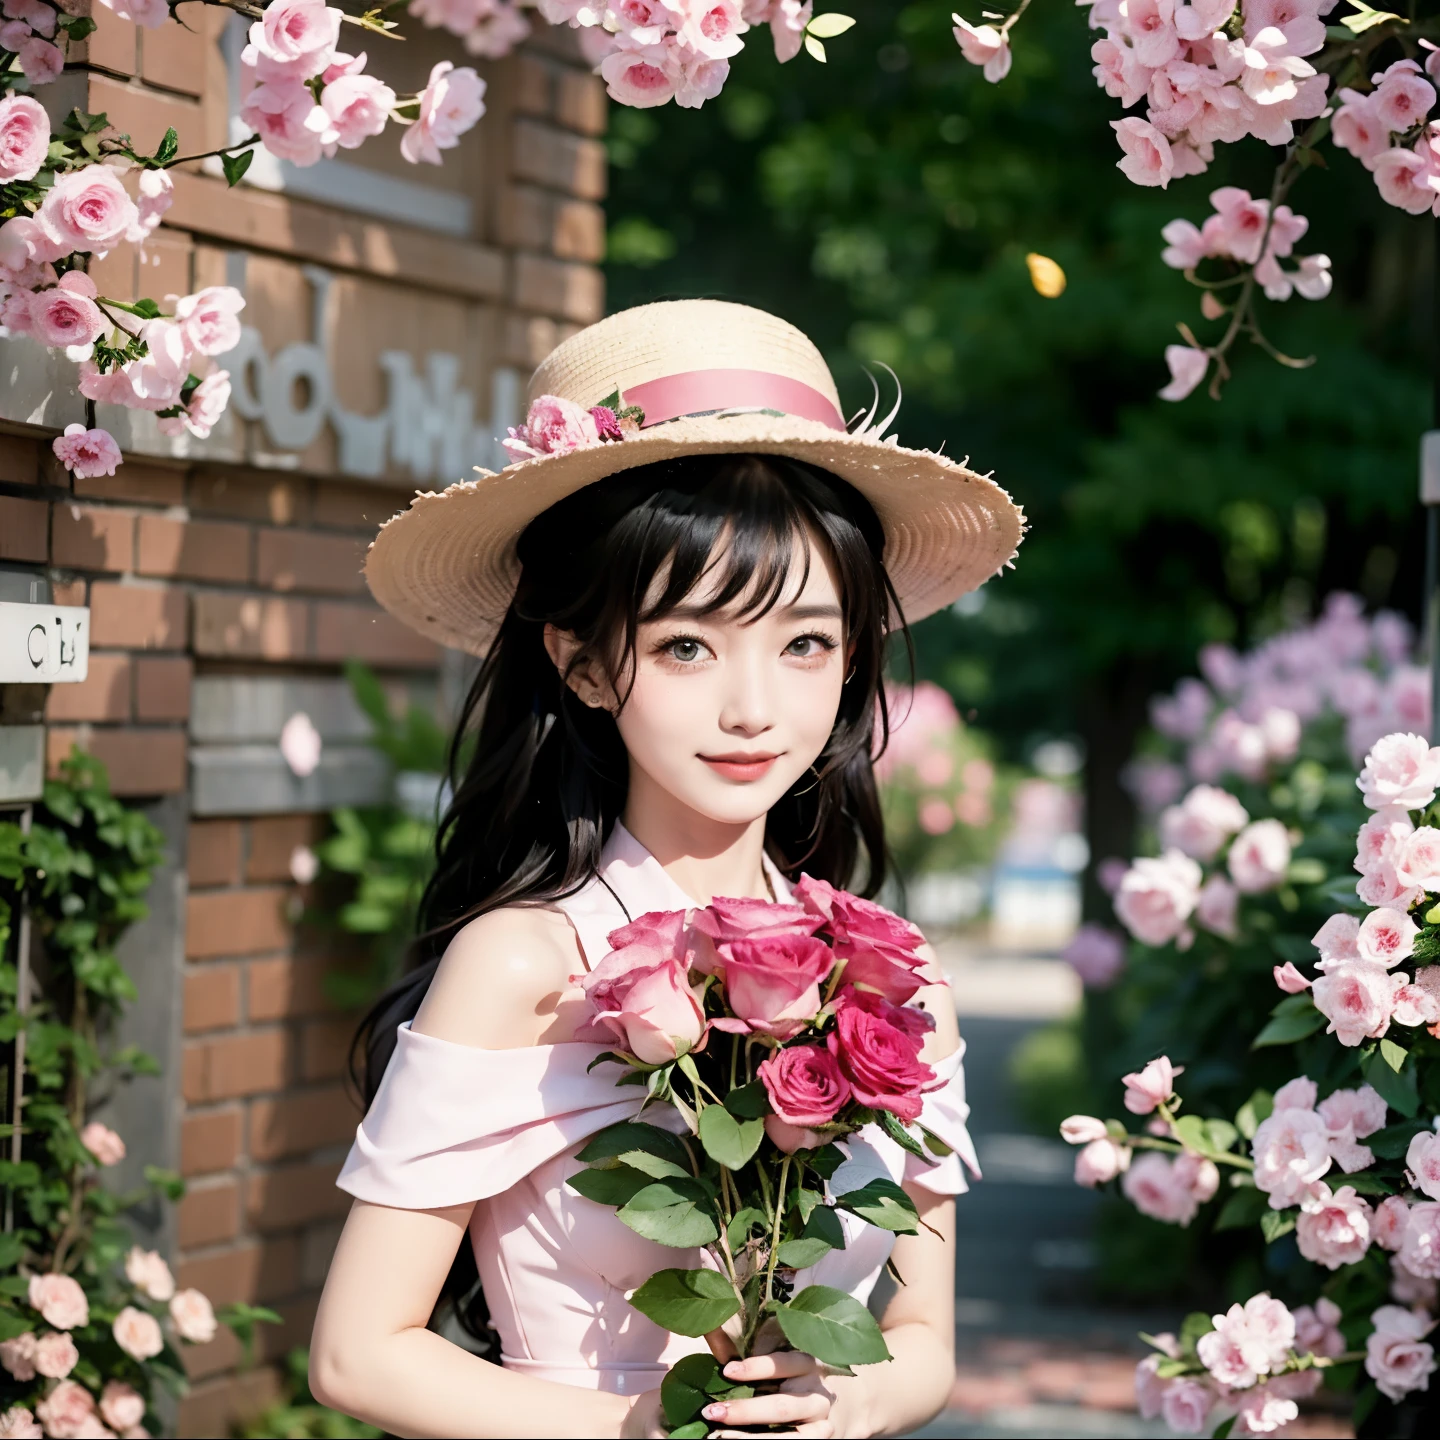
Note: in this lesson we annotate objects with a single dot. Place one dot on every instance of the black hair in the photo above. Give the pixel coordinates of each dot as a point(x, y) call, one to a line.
point(546, 775)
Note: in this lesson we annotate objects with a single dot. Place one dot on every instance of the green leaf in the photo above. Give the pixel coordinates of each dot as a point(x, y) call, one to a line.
point(749, 1102)
point(145, 308)
point(933, 1143)
point(1223, 1429)
point(741, 1223)
point(691, 1384)
point(728, 1141)
point(1364, 18)
point(814, 49)
point(1195, 1324)
point(11, 1249)
point(672, 1212)
point(1291, 1025)
point(609, 1187)
point(1259, 1107)
point(892, 1126)
point(1242, 1209)
point(691, 1430)
point(168, 147)
point(828, 26)
point(807, 1250)
point(1393, 1054)
point(1397, 1091)
point(12, 1324)
point(1275, 1223)
point(645, 1147)
point(884, 1204)
point(1393, 1141)
point(235, 166)
point(833, 1327)
point(824, 1224)
point(826, 1160)
point(687, 1302)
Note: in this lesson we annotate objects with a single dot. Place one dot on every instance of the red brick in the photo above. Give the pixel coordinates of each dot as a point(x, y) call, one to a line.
point(252, 626)
point(68, 592)
point(325, 1048)
point(273, 839)
point(222, 1354)
point(283, 500)
point(246, 1274)
point(348, 506)
point(86, 537)
point(174, 56)
point(559, 288)
point(140, 762)
point(137, 481)
point(162, 688)
point(220, 1407)
point(303, 560)
point(580, 102)
point(212, 998)
point(291, 1195)
point(22, 529)
point(235, 1065)
point(19, 460)
point(214, 854)
point(209, 1142)
point(112, 45)
point(193, 549)
point(534, 85)
point(284, 987)
point(136, 617)
point(104, 694)
point(343, 632)
point(235, 922)
point(578, 231)
point(307, 1120)
point(559, 160)
point(209, 1214)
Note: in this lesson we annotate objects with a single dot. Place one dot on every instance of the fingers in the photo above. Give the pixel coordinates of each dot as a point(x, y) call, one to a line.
point(722, 1347)
point(778, 1365)
point(782, 1409)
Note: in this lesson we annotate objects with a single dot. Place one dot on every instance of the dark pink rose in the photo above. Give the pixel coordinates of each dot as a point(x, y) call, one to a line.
point(879, 948)
point(773, 983)
point(641, 993)
point(878, 1047)
point(725, 920)
point(805, 1084)
point(659, 929)
point(788, 1138)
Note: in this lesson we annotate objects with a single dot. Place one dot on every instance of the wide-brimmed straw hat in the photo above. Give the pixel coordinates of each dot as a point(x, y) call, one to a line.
point(710, 377)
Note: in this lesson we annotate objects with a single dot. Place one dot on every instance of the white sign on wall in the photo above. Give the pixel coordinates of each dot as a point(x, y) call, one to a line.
point(43, 644)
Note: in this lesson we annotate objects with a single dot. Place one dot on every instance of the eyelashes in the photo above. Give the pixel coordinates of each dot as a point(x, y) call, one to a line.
point(665, 648)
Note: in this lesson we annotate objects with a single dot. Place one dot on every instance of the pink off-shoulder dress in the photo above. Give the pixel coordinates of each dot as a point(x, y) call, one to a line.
point(453, 1124)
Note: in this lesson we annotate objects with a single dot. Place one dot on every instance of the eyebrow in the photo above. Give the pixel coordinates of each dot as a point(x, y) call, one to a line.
point(790, 612)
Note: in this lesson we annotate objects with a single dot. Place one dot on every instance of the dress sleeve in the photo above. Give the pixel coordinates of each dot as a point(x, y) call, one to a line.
point(452, 1123)
point(944, 1115)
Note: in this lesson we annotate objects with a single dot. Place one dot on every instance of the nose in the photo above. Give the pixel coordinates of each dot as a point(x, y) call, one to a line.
point(747, 708)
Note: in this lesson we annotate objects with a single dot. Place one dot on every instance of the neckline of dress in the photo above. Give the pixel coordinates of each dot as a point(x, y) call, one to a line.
point(641, 883)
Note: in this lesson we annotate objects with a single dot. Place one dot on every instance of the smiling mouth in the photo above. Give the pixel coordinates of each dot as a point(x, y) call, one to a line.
point(742, 768)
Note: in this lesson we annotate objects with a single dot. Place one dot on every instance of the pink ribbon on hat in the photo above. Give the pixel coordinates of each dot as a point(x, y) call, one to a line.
point(698, 391)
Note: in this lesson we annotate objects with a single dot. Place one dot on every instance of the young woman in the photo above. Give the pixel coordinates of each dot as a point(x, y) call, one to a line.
point(684, 616)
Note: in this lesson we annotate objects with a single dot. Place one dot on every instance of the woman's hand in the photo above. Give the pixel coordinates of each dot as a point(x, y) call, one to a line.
point(812, 1399)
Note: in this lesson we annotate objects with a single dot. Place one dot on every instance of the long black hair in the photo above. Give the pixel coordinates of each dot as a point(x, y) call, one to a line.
point(546, 775)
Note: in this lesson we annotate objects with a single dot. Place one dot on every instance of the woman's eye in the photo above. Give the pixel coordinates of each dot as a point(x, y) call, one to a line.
point(685, 650)
point(808, 647)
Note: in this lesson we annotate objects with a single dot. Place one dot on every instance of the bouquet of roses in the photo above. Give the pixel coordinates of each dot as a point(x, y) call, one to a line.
point(775, 1031)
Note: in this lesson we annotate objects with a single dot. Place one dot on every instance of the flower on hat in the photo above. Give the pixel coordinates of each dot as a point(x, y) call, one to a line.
point(555, 426)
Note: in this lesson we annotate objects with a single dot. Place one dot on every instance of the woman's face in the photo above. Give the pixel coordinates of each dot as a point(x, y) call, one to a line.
point(725, 712)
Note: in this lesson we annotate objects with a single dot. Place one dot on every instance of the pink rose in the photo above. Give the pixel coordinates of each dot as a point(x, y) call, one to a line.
point(641, 996)
point(878, 1047)
point(642, 77)
point(295, 41)
point(1217, 908)
point(1082, 1129)
point(1117, 72)
point(60, 1301)
point(1289, 979)
point(1336, 940)
point(1387, 1229)
point(712, 28)
point(1356, 127)
point(147, 1271)
point(878, 947)
point(1357, 997)
point(157, 194)
point(137, 1333)
point(1170, 1191)
point(1147, 159)
point(723, 920)
point(17, 1423)
point(1381, 839)
point(1152, 1086)
point(1157, 897)
point(280, 114)
point(1333, 1229)
point(1405, 179)
point(160, 374)
point(1350, 1116)
point(59, 317)
point(1415, 1005)
point(86, 210)
point(193, 1316)
point(773, 985)
point(1386, 937)
point(1420, 1247)
point(1248, 1341)
point(1400, 770)
point(24, 138)
point(1202, 822)
point(1149, 1388)
point(1422, 1160)
point(1417, 859)
point(1397, 1357)
point(103, 1143)
point(207, 403)
point(553, 426)
point(1100, 1162)
point(122, 1407)
point(1291, 1150)
point(985, 46)
point(1317, 1328)
point(1382, 887)
point(209, 319)
point(450, 104)
point(352, 109)
point(1296, 1094)
point(1096, 954)
point(86, 453)
point(1412, 1290)
point(789, 1138)
point(17, 1355)
point(56, 1355)
point(40, 60)
point(1185, 1405)
point(805, 1084)
point(21, 242)
point(1259, 856)
point(111, 387)
point(1403, 99)
point(67, 1412)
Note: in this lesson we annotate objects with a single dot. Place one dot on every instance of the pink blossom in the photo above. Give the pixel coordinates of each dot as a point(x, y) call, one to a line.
point(1185, 246)
point(40, 60)
point(300, 744)
point(147, 1271)
point(17, 1423)
point(22, 243)
point(1403, 98)
point(1183, 715)
point(1147, 161)
point(712, 28)
point(641, 997)
point(1386, 937)
point(788, 19)
point(24, 137)
point(1157, 897)
point(1259, 856)
point(645, 22)
point(1082, 1129)
point(1149, 25)
point(983, 45)
point(209, 319)
point(805, 1084)
point(1417, 859)
point(193, 1317)
point(1118, 73)
point(878, 1046)
point(1407, 178)
point(1201, 18)
point(1185, 1405)
point(1187, 369)
point(1248, 1341)
point(56, 1355)
point(279, 112)
point(294, 41)
point(157, 194)
point(13, 34)
point(207, 403)
point(1296, 1094)
point(60, 1301)
point(86, 453)
point(1271, 69)
point(1397, 1357)
point(113, 387)
point(122, 1407)
point(17, 1355)
point(1415, 1005)
point(1350, 1116)
point(158, 377)
point(1411, 1289)
point(148, 13)
point(1400, 770)
point(103, 1143)
point(1291, 1150)
point(1317, 1327)
point(1357, 997)
point(1382, 887)
point(1333, 1229)
point(1297, 19)
point(1152, 1086)
point(641, 78)
point(1381, 839)
point(137, 1333)
point(1101, 1161)
point(701, 79)
point(1357, 128)
point(1096, 954)
point(59, 317)
point(1264, 1410)
point(553, 426)
point(1168, 1191)
point(86, 210)
point(773, 985)
point(352, 109)
point(450, 104)
point(1289, 979)
point(1420, 1246)
point(1387, 1229)
point(1422, 1162)
point(1202, 822)
point(1149, 1388)
point(67, 1412)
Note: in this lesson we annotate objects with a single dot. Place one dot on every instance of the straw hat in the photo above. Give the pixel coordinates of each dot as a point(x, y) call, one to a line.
point(710, 377)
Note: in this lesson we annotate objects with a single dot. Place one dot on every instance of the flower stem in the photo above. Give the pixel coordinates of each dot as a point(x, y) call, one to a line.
point(775, 1228)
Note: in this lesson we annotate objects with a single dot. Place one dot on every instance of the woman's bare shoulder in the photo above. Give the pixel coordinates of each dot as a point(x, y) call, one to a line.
point(938, 1001)
point(500, 982)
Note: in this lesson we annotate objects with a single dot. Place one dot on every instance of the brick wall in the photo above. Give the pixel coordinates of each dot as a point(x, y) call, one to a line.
point(195, 569)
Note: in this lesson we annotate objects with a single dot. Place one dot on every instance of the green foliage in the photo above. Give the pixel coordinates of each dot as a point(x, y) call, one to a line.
point(296, 1415)
point(1049, 1076)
